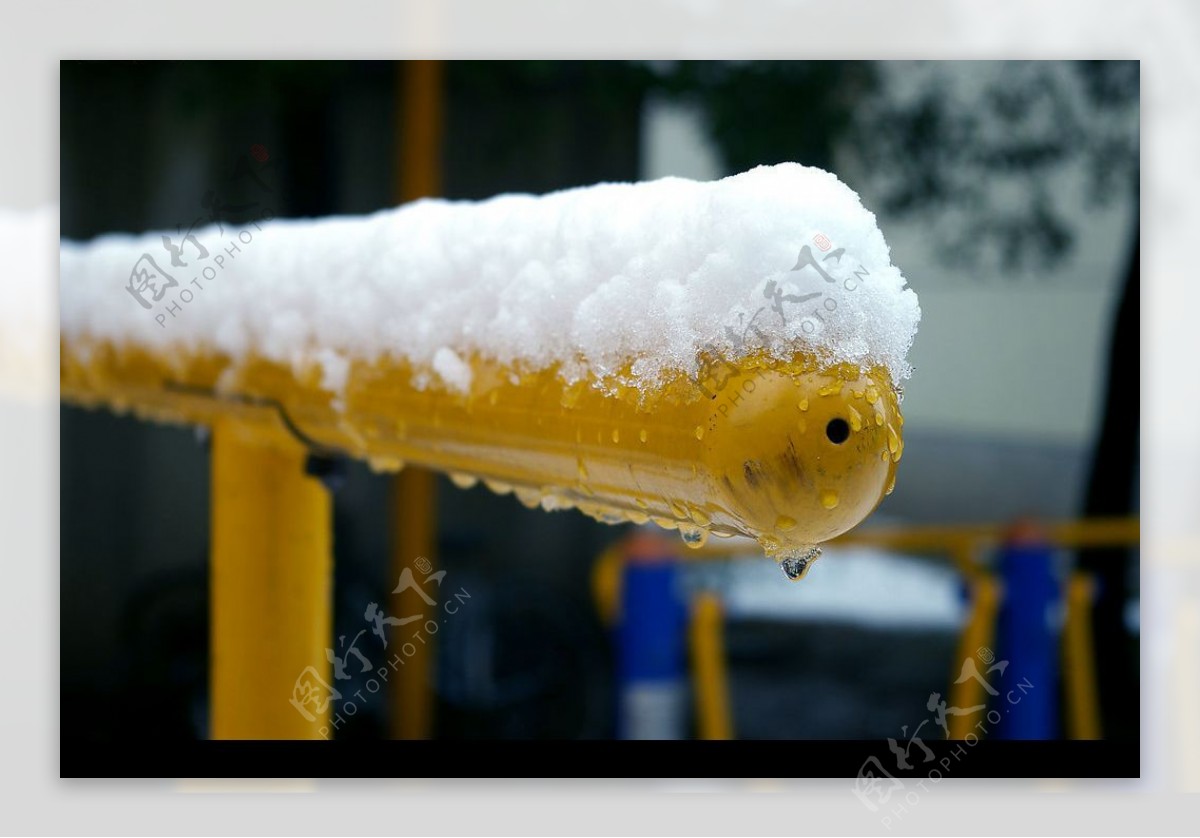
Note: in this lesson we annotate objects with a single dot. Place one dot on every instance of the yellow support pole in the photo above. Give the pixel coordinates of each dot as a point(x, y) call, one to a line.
point(1079, 665)
point(713, 715)
point(413, 506)
point(978, 633)
point(419, 174)
point(413, 534)
point(271, 603)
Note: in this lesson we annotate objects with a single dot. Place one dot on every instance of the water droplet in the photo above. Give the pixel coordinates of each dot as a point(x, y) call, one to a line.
point(352, 432)
point(677, 509)
point(858, 394)
point(616, 435)
point(699, 432)
point(665, 523)
point(855, 418)
point(530, 498)
point(893, 440)
point(891, 486)
point(463, 480)
point(642, 435)
point(694, 537)
point(803, 404)
point(878, 419)
point(641, 503)
point(796, 564)
point(801, 425)
point(570, 396)
point(829, 499)
point(497, 486)
point(700, 516)
point(831, 389)
point(553, 502)
point(872, 395)
point(785, 523)
point(637, 517)
point(608, 516)
point(382, 464)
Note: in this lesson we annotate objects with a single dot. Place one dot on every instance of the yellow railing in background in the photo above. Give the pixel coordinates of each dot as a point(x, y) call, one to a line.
point(963, 544)
point(714, 717)
point(413, 520)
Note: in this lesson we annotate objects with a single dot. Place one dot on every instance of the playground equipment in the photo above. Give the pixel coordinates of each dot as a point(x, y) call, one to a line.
point(1013, 599)
point(789, 431)
point(794, 455)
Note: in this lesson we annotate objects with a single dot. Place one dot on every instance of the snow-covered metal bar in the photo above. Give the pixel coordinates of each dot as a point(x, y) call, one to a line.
point(717, 357)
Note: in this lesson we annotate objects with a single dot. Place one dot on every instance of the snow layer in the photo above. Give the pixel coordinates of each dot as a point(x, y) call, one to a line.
point(594, 279)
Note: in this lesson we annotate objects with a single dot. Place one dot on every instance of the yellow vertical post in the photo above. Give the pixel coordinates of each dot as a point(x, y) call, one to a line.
point(413, 535)
point(978, 633)
point(1079, 671)
point(413, 508)
point(271, 587)
point(419, 132)
point(711, 681)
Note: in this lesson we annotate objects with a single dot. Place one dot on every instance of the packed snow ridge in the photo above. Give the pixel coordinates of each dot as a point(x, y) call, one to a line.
point(630, 282)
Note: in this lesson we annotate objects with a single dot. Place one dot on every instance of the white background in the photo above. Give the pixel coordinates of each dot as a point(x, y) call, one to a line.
point(1165, 35)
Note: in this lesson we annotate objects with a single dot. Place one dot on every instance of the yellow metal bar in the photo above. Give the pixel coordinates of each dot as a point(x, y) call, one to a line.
point(674, 456)
point(965, 557)
point(978, 634)
point(271, 599)
point(414, 511)
point(419, 130)
point(1079, 665)
point(713, 714)
point(606, 583)
point(414, 534)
